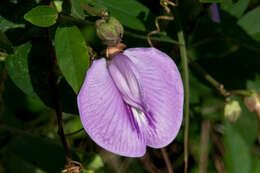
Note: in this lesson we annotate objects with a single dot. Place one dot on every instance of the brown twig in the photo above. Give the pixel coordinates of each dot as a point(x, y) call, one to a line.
point(124, 166)
point(55, 97)
point(148, 164)
point(2, 80)
point(71, 165)
point(218, 144)
point(219, 164)
point(167, 160)
point(204, 145)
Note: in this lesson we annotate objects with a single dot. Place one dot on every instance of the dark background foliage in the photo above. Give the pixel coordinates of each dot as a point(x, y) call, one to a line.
point(47, 46)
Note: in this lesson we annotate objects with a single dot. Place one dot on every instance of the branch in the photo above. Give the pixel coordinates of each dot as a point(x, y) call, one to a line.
point(209, 78)
point(204, 145)
point(167, 160)
point(216, 84)
point(2, 84)
point(148, 164)
point(184, 60)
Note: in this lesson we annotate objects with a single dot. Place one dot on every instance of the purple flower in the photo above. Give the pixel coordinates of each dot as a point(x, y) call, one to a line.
point(133, 101)
point(214, 12)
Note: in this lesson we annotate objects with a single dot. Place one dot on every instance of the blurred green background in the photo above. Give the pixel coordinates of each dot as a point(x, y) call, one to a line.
point(32, 82)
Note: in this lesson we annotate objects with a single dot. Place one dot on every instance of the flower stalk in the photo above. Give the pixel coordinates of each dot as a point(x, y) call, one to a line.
point(184, 60)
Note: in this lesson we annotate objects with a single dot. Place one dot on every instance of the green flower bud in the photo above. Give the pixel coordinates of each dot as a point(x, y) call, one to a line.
point(110, 31)
point(232, 111)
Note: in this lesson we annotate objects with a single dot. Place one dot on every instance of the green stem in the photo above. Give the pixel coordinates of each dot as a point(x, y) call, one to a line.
point(216, 84)
point(210, 79)
point(241, 92)
point(184, 60)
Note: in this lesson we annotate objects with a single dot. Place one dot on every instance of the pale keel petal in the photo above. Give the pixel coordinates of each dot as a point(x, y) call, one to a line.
point(126, 78)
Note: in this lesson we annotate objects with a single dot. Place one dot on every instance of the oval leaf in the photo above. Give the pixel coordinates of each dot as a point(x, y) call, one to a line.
point(42, 15)
point(72, 55)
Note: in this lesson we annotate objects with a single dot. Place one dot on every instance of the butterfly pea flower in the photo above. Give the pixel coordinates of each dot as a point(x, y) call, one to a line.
point(214, 13)
point(132, 101)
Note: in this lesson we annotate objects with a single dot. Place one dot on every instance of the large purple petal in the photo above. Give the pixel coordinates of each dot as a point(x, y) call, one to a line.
point(105, 116)
point(163, 94)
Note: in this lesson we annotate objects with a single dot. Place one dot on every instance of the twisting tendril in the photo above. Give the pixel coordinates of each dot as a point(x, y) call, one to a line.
point(165, 4)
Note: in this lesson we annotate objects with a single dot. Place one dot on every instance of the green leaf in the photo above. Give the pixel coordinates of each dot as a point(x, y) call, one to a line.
point(237, 156)
point(39, 67)
point(74, 125)
point(39, 152)
point(127, 12)
point(93, 161)
point(5, 44)
point(72, 55)
point(6, 24)
point(236, 9)
point(58, 5)
point(256, 165)
point(13, 163)
point(42, 15)
point(18, 70)
point(251, 24)
point(79, 8)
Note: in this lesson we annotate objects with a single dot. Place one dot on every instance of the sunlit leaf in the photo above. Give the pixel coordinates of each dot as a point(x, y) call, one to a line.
point(72, 55)
point(42, 15)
